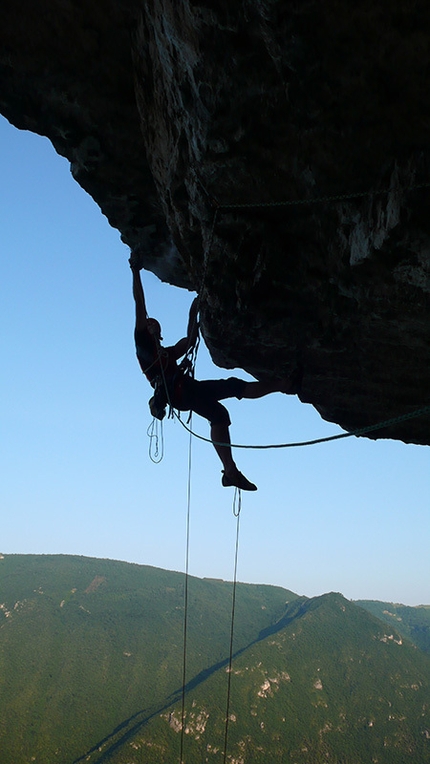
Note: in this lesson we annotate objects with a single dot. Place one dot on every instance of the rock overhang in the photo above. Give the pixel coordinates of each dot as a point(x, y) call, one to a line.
point(167, 110)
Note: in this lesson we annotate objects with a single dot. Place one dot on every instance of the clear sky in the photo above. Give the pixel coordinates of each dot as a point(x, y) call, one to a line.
point(350, 516)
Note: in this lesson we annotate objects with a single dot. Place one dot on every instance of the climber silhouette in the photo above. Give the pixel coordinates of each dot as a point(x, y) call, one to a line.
point(173, 385)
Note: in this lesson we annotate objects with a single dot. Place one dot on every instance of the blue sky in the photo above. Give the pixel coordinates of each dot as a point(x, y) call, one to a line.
point(351, 516)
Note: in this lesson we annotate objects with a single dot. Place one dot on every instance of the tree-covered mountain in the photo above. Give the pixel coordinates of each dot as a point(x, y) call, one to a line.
point(91, 664)
point(411, 622)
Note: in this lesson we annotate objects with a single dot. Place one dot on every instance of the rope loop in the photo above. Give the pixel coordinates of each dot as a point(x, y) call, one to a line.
point(156, 441)
point(237, 502)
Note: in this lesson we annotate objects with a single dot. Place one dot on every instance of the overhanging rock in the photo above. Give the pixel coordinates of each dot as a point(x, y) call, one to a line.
point(166, 109)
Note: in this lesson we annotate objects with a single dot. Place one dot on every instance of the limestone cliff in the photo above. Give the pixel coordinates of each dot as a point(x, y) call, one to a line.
point(166, 108)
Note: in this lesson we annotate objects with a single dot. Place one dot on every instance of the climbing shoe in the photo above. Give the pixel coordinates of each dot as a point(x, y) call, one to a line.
point(238, 480)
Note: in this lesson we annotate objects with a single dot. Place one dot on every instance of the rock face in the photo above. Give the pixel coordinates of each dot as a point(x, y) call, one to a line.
point(173, 113)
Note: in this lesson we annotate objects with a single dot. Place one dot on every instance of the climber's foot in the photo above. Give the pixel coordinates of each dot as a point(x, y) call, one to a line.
point(238, 480)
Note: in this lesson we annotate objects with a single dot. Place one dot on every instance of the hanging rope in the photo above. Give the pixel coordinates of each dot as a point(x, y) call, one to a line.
point(156, 441)
point(357, 432)
point(237, 506)
point(187, 557)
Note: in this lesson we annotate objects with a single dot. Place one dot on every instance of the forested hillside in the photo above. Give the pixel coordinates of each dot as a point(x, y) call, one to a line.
point(91, 661)
point(412, 622)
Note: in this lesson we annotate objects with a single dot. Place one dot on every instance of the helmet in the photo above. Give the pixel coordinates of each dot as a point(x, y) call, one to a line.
point(154, 327)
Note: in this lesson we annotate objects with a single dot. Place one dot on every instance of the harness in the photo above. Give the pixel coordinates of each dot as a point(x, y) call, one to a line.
point(167, 390)
point(164, 391)
point(164, 374)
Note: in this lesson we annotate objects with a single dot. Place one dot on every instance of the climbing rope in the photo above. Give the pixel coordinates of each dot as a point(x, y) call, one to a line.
point(186, 578)
point(237, 506)
point(237, 502)
point(219, 207)
point(316, 441)
point(156, 441)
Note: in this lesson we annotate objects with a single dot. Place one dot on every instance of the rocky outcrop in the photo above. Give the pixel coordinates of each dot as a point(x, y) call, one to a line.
point(168, 109)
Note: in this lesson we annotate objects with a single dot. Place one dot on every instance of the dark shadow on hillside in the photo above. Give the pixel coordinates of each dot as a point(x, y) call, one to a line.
point(131, 726)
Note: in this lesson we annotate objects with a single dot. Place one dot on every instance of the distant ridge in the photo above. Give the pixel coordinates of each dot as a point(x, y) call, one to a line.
point(91, 667)
point(411, 622)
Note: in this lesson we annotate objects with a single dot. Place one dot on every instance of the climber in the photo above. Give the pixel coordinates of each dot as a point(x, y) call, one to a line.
point(174, 386)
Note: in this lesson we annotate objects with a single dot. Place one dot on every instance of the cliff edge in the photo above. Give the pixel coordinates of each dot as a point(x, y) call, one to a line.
point(177, 115)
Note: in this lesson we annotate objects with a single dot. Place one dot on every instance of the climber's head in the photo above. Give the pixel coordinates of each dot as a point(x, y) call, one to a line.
point(154, 328)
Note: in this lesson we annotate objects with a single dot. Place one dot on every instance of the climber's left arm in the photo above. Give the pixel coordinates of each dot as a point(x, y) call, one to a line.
point(190, 340)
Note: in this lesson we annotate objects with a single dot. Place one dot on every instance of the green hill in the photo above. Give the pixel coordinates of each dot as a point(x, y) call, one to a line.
point(411, 622)
point(91, 660)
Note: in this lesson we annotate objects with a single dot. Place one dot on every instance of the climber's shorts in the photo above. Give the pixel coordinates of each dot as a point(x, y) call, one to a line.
point(204, 397)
